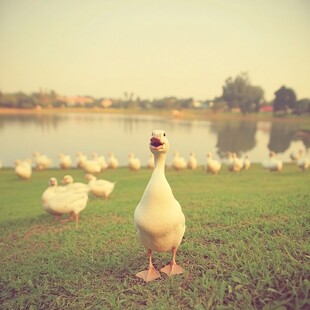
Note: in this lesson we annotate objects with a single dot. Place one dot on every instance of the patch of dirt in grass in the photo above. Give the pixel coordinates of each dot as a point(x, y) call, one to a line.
point(44, 229)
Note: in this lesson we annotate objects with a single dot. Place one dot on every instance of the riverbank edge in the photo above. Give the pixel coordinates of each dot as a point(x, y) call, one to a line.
point(188, 114)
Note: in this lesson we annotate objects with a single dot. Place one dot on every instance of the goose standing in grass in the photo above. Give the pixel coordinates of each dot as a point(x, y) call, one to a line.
point(80, 159)
point(65, 161)
point(23, 169)
point(212, 165)
point(158, 218)
point(62, 201)
point(80, 187)
point(303, 163)
point(192, 161)
point(246, 163)
point(150, 161)
point(178, 162)
point(296, 155)
point(42, 162)
point(101, 160)
point(91, 166)
point(273, 164)
point(99, 187)
point(112, 161)
point(133, 162)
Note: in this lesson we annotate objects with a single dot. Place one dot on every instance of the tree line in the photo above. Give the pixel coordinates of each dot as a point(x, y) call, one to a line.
point(237, 94)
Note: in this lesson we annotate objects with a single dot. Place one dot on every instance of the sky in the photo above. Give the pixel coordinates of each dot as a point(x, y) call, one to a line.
point(153, 49)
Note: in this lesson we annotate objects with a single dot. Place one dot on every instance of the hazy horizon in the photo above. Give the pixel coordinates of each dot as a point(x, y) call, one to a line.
point(153, 49)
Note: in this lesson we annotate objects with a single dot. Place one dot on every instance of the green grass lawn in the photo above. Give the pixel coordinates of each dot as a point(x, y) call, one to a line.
point(246, 244)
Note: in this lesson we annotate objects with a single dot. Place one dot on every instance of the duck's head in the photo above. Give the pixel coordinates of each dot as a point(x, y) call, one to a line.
point(67, 179)
point(159, 142)
point(52, 182)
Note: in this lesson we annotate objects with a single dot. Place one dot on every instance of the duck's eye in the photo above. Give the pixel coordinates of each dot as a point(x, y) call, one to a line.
point(164, 134)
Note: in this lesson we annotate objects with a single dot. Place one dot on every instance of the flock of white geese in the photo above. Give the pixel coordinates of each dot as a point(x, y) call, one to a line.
point(98, 163)
point(158, 217)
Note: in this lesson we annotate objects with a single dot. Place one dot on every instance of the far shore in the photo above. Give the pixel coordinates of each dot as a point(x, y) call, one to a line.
point(186, 114)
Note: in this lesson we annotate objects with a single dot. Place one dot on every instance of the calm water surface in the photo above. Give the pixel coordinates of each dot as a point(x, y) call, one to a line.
point(21, 135)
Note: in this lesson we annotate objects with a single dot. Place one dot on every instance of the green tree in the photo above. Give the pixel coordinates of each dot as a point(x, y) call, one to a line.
point(285, 98)
point(302, 106)
point(239, 93)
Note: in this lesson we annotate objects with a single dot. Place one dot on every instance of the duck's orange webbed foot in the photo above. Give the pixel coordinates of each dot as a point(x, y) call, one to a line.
point(150, 274)
point(173, 267)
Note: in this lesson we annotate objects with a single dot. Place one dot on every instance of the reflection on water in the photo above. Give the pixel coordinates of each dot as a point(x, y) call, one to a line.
point(21, 135)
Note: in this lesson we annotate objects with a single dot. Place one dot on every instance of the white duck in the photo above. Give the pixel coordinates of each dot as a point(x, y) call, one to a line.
point(112, 161)
point(65, 202)
point(65, 161)
point(150, 161)
point(158, 217)
point(80, 159)
point(296, 155)
point(178, 162)
point(91, 166)
point(42, 161)
point(101, 160)
point(303, 163)
point(51, 190)
point(246, 163)
point(23, 169)
point(273, 164)
point(133, 162)
point(99, 187)
point(212, 165)
point(192, 161)
point(80, 187)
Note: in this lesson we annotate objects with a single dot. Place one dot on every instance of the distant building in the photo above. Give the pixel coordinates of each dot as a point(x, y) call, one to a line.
point(106, 103)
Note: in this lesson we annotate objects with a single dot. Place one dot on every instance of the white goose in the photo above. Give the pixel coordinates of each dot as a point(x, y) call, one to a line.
point(101, 160)
point(150, 161)
point(273, 164)
point(246, 163)
point(303, 163)
point(178, 162)
point(23, 169)
point(42, 161)
point(296, 155)
point(133, 162)
point(212, 165)
point(74, 186)
point(91, 166)
point(99, 187)
point(158, 217)
point(192, 161)
point(60, 202)
point(112, 161)
point(65, 161)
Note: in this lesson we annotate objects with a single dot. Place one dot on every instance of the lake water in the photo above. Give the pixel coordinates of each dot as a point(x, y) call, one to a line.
point(21, 135)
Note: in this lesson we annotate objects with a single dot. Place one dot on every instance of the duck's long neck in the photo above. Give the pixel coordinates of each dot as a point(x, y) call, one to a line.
point(159, 161)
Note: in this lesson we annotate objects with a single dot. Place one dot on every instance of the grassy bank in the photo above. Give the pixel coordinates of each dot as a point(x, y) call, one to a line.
point(246, 245)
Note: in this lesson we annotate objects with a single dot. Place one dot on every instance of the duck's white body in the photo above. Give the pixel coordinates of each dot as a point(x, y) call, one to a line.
point(212, 165)
point(296, 155)
point(192, 161)
point(23, 169)
point(80, 159)
point(273, 164)
point(158, 218)
point(91, 166)
point(42, 162)
point(99, 188)
point(133, 162)
point(112, 161)
point(78, 187)
point(65, 161)
point(178, 162)
point(150, 161)
point(62, 201)
point(100, 160)
point(303, 163)
point(246, 163)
